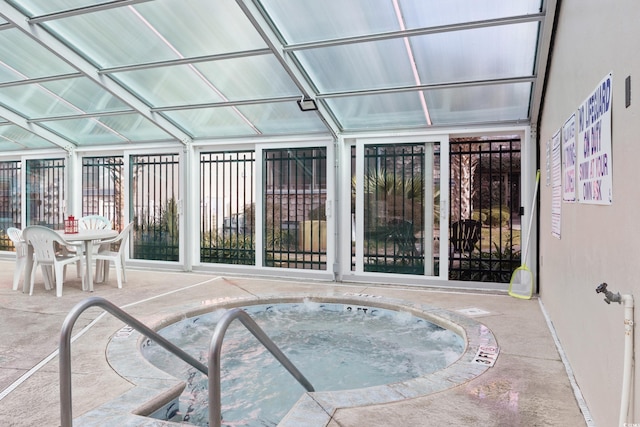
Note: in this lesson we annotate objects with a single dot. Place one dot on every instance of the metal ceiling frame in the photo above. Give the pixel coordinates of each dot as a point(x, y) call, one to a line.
point(53, 45)
point(259, 21)
point(25, 124)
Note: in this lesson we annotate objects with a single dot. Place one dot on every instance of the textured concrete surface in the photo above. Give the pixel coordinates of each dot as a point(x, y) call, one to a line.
point(528, 386)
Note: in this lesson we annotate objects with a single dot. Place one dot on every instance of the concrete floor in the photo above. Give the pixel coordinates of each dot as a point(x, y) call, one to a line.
point(528, 386)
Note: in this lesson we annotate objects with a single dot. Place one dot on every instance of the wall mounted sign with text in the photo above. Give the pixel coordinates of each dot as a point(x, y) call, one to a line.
point(594, 168)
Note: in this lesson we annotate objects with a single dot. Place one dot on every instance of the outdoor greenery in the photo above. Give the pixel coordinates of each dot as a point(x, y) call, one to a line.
point(494, 217)
point(158, 237)
point(382, 267)
point(488, 266)
point(232, 246)
point(231, 249)
point(280, 239)
point(490, 237)
point(390, 235)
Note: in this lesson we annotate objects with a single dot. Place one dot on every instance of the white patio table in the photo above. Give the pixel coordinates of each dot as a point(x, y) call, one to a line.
point(87, 238)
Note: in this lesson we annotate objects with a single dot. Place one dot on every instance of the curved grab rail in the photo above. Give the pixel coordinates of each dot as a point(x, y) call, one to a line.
point(215, 410)
point(215, 405)
point(66, 418)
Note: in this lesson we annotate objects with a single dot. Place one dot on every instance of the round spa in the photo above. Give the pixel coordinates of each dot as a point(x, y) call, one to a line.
point(354, 349)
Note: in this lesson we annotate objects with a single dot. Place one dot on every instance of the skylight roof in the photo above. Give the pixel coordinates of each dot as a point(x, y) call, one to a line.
point(79, 73)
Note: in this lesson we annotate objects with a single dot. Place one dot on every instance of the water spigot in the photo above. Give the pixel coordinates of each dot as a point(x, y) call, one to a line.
point(609, 296)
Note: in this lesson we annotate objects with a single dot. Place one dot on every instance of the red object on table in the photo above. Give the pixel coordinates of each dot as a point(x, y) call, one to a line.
point(70, 225)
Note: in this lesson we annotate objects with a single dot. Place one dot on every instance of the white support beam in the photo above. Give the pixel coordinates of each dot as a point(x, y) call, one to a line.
point(36, 130)
point(55, 46)
point(545, 37)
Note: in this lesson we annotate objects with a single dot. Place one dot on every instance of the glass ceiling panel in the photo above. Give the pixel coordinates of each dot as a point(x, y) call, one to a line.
point(261, 77)
point(208, 82)
point(202, 27)
point(372, 65)
point(16, 138)
point(59, 98)
point(169, 86)
point(108, 130)
point(158, 31)
point(431, 13)
point(283, 118)
point(492, 103)
point(308, 21)
point(479, 54)
point(271, 119)
point(212, 122)
point(38, 7)
point(22, 58)
point(383, 111)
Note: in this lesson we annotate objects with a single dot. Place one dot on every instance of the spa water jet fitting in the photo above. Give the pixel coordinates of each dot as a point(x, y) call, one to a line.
point(627, 299)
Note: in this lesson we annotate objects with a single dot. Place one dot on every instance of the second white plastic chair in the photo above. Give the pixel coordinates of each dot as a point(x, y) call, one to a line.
point(94, 222)
point(117, 256)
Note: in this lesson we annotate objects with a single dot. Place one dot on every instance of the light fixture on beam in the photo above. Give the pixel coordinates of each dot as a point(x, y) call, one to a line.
point(307, 104)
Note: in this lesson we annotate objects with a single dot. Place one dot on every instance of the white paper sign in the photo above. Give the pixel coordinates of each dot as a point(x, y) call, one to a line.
point(594, 146)
point(556, 186)
point(569, 158)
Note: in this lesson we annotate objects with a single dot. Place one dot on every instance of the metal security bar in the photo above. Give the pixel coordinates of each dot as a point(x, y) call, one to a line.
point(484, 215)
point(394, 208)
point(155, 184)
point(10, 201)
point(46, 193)
point(295, 208)
point(227, 206)
point(102, 188)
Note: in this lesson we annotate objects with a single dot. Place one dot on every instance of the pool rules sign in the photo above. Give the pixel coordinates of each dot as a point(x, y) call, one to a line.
point(594, 184)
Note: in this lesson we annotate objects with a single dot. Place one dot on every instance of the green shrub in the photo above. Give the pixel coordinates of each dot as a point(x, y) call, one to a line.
point(496, 217)
point(488, 266)
point(232, 249)
point(479, 216)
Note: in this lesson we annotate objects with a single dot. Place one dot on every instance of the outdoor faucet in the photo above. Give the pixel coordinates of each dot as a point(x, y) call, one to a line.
point(609, 296)
point(627, 374)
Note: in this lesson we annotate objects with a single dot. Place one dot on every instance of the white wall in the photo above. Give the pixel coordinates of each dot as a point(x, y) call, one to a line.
point(598, 243)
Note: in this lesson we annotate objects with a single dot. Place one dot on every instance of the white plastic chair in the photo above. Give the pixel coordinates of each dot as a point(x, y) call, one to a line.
point(22, 252)
point(94, 222)
point(46, 244)
point(106, 254)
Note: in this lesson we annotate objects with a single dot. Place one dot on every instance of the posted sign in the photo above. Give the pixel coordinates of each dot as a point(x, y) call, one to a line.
point(594, 183)
point(556, 186)
point(569, 160)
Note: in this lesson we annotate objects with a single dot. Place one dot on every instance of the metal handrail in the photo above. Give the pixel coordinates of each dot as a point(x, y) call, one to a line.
point(215, 410)
point(215, 405)
point(66, 418)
